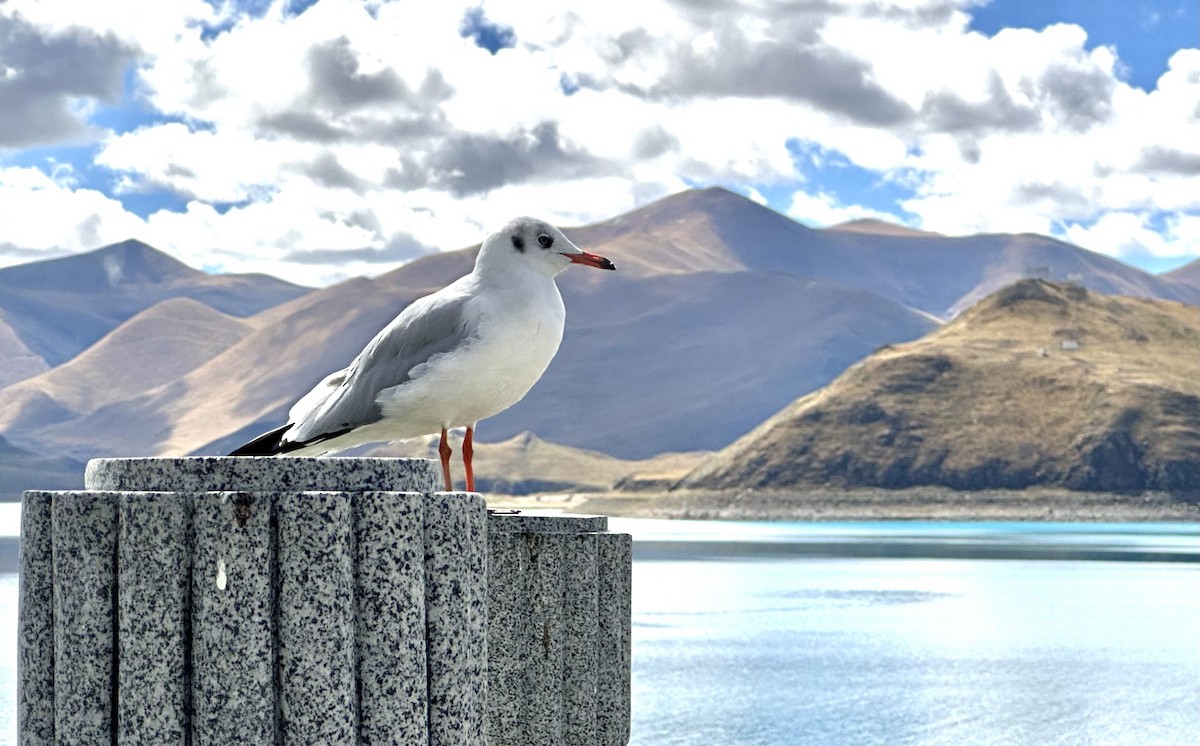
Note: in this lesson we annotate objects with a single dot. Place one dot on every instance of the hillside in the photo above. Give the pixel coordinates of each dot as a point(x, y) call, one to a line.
point(57, 308)
point(880, 228)
point(1188, 275)
point(1039, 384)
point(155, 347)
point(716, 230)
point(21, 470)
point(526, 464)
point(722, 312)
point(17, 361)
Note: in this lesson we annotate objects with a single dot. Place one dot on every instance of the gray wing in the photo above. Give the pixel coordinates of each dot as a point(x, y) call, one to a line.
point(345, 400)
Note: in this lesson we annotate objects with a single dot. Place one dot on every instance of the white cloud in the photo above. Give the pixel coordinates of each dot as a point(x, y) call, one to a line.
point(39, 213)
point(821, 210)
point(1123, 234)
point(379, 127)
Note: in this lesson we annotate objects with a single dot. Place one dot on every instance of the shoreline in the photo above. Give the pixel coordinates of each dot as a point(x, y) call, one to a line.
point(915, 504)
point(825, 505)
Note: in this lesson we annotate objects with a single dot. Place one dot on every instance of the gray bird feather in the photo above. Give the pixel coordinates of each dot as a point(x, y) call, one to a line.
point(429, 326)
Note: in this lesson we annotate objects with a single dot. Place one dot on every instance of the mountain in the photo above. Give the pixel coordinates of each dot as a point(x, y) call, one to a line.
point(1039, 384)
point(21, 470)
point(279, 353)
point(155, 347)
point(1188, 275)
point(18, 360)
point(691, 362)
point(59, 307)
point(526, 464)
point(714, 229)
point(674, 355)
point(880, 228)
point(721, 313)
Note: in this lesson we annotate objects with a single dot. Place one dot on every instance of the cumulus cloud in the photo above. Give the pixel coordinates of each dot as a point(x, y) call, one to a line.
point(398, 248)
point(1160, 159)
point(350, 136)
point(470, 164)
point(1125, 234)
point(728, 64)
point(822, 210)
point(47, 77)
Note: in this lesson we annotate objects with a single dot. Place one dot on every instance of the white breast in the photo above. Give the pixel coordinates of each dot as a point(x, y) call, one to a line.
point(516, 333)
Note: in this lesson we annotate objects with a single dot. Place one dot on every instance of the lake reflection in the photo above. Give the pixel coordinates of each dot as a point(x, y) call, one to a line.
point(734, 644)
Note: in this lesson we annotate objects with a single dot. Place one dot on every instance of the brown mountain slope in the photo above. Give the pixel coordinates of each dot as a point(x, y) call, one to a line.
point(17, 361)
point(295, 347)
point(1001, 397)
point(1187, 276)
point(687, 362)
point(526, 464)
point(880, 228)
point(155, 347)
point(715, 230)
point(59, 307)
point(721, 313)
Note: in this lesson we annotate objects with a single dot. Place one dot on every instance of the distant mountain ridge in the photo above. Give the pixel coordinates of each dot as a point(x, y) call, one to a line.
point(52, 310)
point(721, 313)
point(155, 347)
point(22, 470)
point(1039, 384)
point(129, 262)
point(717, 230)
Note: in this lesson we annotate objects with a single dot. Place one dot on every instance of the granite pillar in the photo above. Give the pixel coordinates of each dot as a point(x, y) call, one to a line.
point(558, 631)
point(227, 600)
point(294, 601)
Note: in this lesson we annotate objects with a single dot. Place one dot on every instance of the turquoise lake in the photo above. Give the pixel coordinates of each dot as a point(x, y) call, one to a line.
point(773, 634)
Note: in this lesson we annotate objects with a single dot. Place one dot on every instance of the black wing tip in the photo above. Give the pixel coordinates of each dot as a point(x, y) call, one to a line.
point(272, 443)
point(268, 444)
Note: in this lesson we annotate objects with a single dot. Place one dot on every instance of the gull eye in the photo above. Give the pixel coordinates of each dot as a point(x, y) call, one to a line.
point(545, 241)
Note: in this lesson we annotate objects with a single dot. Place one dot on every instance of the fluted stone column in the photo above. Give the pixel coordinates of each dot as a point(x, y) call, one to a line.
point(332, 601)
point(225, 600)
point(558, 631)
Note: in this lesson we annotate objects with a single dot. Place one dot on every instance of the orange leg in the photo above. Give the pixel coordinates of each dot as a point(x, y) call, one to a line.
point(444, 452)
point(468, 449)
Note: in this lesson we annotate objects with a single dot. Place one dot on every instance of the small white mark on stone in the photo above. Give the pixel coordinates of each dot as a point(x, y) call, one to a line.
point(222, 581)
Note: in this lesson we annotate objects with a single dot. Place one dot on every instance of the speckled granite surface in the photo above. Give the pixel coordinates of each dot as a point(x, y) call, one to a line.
point(558, 631)
point(237, 608)
point(83, 530)
point(35, 627)
point(389, 559)
point(152, 601)
point(224, 473)
point(233, 629)
point(581, 630)
point(456, 616)
point(316, 617)
point(544, 522)
point(615, 553)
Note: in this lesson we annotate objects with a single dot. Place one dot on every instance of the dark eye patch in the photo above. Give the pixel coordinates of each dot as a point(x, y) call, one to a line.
point(518, 243)
point(545, 241)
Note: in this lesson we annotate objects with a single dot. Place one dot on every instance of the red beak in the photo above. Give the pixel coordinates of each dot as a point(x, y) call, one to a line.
point(591, 260)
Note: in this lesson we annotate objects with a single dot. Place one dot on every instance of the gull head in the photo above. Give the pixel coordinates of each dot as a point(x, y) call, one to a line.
point(536, 244)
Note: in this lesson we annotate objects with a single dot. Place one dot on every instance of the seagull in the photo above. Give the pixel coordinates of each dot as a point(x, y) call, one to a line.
point(450, 359)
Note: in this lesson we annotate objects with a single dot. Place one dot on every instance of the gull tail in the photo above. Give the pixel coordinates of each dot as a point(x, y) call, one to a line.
point(268, 444)
point(272, 443)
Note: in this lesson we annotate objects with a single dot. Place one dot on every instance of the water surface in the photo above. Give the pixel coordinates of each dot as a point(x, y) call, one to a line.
point(779, 634)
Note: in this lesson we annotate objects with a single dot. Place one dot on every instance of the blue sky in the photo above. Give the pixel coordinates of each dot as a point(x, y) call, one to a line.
point(327, 138)
point(1145, 34)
